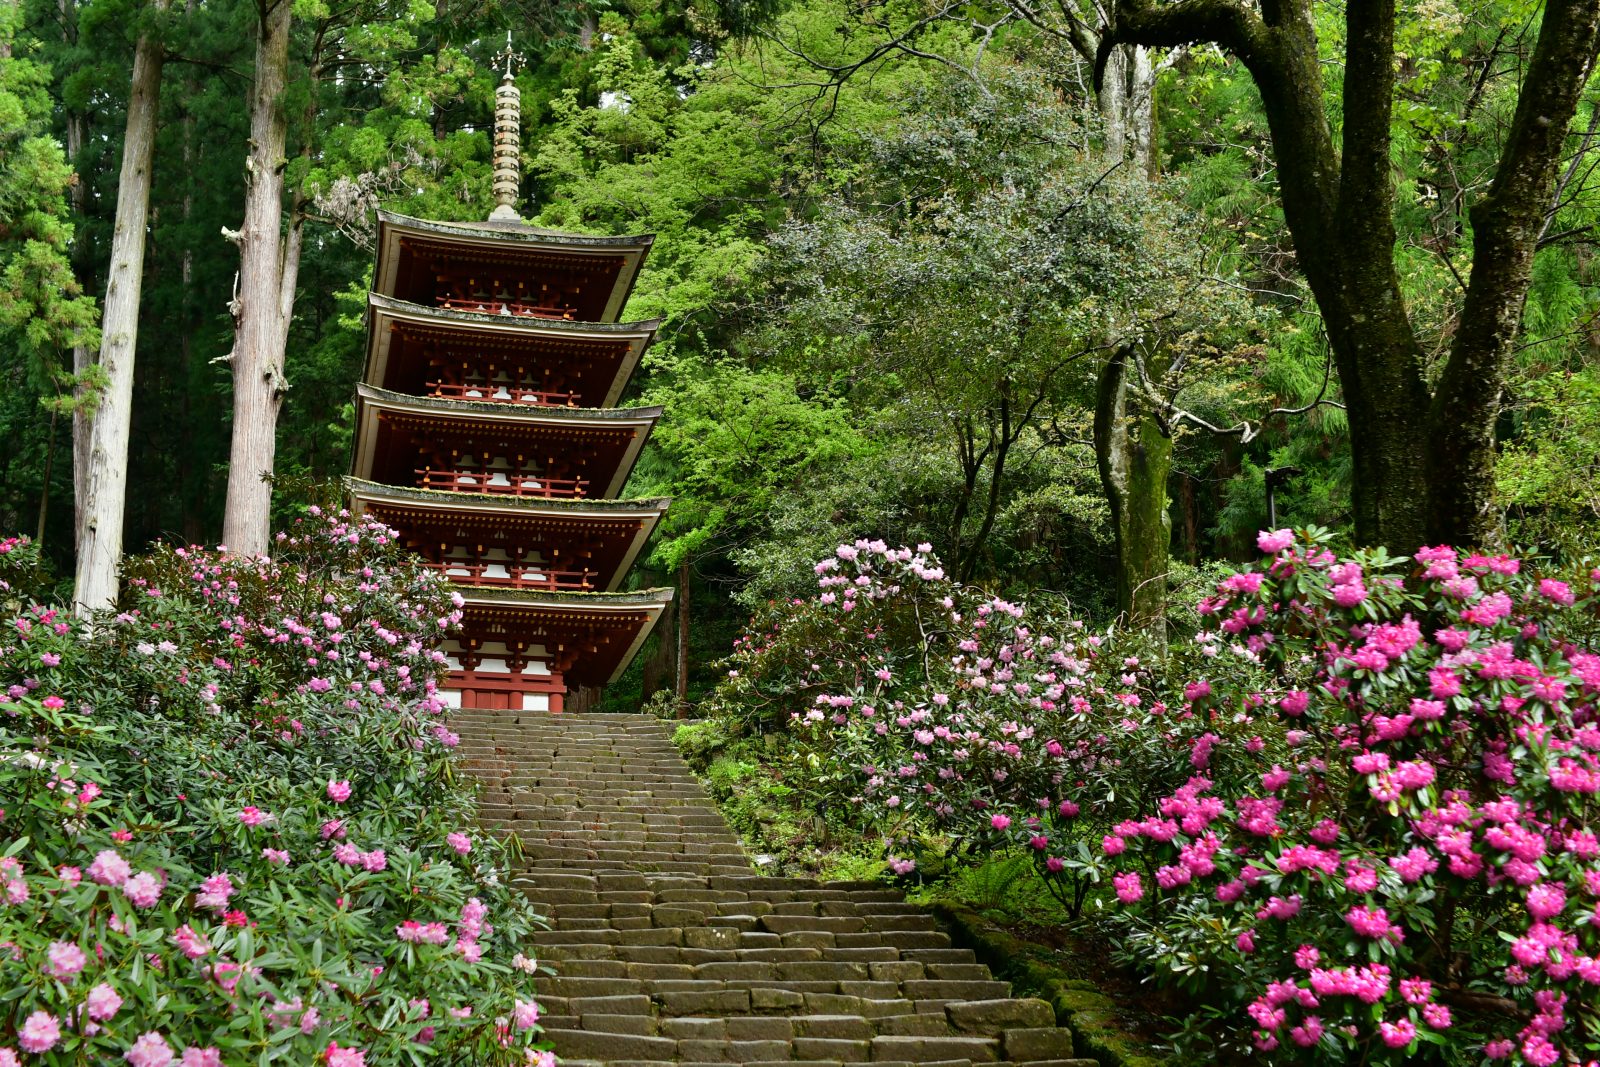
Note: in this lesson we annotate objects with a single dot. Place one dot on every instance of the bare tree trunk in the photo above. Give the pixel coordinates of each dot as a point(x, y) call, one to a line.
point(258, 350)
point(1141, 108)
point(106, 478)
point(1135, 457)
point(681, 690)
point(1113, 101)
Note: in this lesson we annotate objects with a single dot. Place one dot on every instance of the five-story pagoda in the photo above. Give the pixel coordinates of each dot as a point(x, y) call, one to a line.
point(486, 435)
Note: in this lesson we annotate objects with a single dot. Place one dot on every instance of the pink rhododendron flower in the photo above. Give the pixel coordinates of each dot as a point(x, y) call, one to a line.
point(151, 1050)
point(214, 893)
point(1398, 1034)
point(339, 791)
point(142, 890)
point(525, 1014)
point(1128, 887)
point(39, 1033)
point(1274, 541)
point(460, 842)
point(66, 959)
point(109, 868)
point(102, 1002)
point(190, 943)
point(194, 1056)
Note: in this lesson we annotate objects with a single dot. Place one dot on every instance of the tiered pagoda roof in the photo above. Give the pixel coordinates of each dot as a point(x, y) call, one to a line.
point(486, 435)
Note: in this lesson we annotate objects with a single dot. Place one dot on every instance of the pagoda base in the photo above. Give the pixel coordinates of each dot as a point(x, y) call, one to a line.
point(499, 681)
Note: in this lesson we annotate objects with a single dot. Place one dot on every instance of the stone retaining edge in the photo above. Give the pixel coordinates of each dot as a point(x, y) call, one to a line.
point(1079, 1005)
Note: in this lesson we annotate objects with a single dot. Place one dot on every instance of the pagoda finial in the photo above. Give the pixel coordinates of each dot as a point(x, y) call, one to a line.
point(507, 138)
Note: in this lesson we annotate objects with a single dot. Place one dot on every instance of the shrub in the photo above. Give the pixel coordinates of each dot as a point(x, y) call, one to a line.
point(1358, 815)
point(1423, 846)
point(231, 828)
point(941, 716)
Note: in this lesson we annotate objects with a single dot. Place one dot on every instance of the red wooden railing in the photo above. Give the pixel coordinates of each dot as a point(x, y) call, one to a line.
point(548, 578)
point(516, 484)
point(494, 306)
point(515, 394)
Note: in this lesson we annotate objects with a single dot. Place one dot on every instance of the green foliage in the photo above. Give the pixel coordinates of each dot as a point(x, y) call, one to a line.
point(1549, 474)
point(736, 440)
point(1006, 887)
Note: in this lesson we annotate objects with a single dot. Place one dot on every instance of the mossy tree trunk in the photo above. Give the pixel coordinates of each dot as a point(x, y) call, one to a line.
point(1134, 452)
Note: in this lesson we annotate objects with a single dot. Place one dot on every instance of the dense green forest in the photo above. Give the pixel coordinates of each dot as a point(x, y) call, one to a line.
point(1049, 293)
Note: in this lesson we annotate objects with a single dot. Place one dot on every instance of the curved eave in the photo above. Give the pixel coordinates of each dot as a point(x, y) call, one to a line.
point(364, 493)
point(370, 401)
point(386, 311)
point(496, 235)
point(652, 602)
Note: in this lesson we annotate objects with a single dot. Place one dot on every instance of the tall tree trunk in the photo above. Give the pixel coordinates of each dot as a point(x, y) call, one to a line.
point(82, 355)
point(105, 497)
point(1113, 100)
point(1135, 459)
point(190, 520)
point(261, 330)
point(1142, 112)
point(681, 690)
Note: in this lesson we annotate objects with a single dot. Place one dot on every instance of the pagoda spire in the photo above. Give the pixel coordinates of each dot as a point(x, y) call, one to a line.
point(507, 139)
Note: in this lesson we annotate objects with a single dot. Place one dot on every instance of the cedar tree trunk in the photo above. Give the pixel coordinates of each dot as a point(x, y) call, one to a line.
point(106, 472)
point(262, 330)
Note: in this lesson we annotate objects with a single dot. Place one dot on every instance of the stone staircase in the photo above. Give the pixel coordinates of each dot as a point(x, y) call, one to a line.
point(668, 948)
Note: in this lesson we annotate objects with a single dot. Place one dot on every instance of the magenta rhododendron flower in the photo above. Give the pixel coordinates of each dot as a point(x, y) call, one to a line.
point(460, 842)
point(339, 791)
point(344, 1057)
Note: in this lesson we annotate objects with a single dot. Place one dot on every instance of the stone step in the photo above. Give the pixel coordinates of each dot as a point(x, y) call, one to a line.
point(668, 948)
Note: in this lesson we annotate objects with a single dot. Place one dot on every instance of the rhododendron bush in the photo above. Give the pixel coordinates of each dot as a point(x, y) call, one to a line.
point(1359, 814)
point(231, 832)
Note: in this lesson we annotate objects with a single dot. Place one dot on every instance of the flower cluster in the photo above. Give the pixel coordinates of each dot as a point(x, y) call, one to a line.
point(1366, 795)
point(1425, 788)
point(238, 797)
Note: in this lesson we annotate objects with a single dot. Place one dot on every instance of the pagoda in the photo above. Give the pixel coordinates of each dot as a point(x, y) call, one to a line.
point(487, 435)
